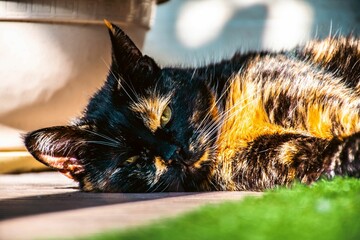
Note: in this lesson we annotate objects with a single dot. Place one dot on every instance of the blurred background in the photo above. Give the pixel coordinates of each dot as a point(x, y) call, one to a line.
point(199, 31)
point(54, 54)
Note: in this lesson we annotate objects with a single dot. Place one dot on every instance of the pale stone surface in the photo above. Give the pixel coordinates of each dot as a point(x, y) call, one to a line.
point(44, 205)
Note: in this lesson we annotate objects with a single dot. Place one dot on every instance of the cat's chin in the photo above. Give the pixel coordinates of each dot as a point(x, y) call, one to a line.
point(175, 187)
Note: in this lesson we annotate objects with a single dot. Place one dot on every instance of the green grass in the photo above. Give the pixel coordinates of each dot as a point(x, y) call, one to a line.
point(325, 210)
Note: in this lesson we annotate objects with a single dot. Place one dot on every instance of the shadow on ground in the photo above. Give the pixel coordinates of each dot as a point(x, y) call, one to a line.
point(33, 205)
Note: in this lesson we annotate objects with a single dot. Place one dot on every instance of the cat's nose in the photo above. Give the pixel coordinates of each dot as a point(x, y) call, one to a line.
point(169, 151)
point(176, 154)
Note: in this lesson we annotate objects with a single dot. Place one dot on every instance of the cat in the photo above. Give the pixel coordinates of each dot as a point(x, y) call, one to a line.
point(252, 122)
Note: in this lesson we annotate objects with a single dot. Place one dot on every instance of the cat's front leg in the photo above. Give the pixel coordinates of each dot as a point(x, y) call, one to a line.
point(280, 159)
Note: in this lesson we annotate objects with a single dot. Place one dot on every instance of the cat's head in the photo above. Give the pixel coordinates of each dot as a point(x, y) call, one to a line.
point(147, 129)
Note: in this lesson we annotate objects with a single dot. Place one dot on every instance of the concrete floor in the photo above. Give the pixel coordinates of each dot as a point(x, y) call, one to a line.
point(48, 205)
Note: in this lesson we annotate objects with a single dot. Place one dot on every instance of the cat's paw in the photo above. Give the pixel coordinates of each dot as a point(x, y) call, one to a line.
point(346, 158)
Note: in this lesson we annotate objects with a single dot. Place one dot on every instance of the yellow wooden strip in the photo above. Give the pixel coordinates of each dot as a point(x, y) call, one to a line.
point(19, 161)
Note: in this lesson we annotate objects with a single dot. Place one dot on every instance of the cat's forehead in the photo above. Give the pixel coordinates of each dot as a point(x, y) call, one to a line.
point(150, 107)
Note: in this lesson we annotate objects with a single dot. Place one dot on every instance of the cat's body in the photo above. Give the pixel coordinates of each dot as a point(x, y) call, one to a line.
point(252, 122)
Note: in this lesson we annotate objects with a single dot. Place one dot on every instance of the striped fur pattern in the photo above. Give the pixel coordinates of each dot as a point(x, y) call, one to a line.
point(253, 122)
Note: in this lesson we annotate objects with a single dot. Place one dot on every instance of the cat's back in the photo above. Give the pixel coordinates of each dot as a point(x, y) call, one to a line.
point(335, 59)
point(338, 55)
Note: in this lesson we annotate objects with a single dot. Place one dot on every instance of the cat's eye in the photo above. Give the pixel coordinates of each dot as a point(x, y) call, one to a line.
point(165, 117)
point(131, 160)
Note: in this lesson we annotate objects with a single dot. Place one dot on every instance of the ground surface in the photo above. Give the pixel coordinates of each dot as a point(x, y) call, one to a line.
point(45, 205)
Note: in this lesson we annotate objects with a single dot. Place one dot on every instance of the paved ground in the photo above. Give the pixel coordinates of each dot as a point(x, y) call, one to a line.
point(43, 205)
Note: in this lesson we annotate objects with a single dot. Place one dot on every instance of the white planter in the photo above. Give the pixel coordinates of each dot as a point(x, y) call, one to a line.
point(54, 54)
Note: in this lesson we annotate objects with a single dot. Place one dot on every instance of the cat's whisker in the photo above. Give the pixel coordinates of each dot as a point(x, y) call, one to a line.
point(170, 183)
point(104, 143)
point(132, 89)
point(112, 140)
point(217, 101)
point(155, 182)
point(163, 185)
point(166, 186)
point(225, 117)
point(178, 185)
point(193, 75)
point(201, 129)
point(120, 81)
point(213, 126)
point(154, 186)
point(211, 140)
point(237, 104)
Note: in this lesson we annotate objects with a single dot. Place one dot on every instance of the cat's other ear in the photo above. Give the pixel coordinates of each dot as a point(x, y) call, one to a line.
point(127, 60)
point(59, 148)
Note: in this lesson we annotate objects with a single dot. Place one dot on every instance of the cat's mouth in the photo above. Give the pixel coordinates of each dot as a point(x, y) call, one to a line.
point(194, 162)
point(202, 160)
point(184, 161)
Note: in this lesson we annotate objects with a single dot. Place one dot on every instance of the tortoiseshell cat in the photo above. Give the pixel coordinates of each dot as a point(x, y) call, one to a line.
point(252, 122)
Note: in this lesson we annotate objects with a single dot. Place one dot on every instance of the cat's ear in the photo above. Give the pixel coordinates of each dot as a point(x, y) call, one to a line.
point(59, 148)
point(127, 60)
